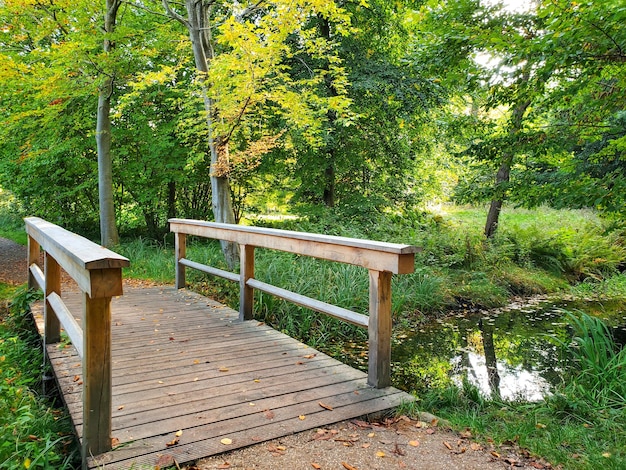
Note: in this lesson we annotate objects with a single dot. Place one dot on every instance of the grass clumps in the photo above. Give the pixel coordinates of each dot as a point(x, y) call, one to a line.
point(33, 433)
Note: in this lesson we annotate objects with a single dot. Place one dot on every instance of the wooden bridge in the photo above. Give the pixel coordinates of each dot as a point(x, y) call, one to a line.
point(163, 375)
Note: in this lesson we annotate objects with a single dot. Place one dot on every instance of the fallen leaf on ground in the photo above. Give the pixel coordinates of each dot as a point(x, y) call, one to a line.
point(325, 406)
point(223, 466)
point(269, 414)
point(310, 356)
point(301, 417)
point(447, 445)
point(179, 433)
point(223, 369)
point(414, 443)
point(316, 466)
point(226, 441)
point(121, 407)
point(380, 453)
point(115, 441)
point(347, 466)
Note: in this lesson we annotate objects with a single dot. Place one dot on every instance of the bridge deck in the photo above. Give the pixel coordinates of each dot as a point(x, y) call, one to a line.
point(190, 380)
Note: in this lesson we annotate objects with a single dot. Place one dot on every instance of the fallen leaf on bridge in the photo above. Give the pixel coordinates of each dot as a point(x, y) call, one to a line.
point(326, 407)
point(173, 442)
point(226, 441)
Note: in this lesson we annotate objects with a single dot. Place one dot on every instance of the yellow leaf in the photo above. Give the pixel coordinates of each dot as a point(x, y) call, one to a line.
point(380, 453)
point(226, 441)
point(606, 455)
point(301, 417)
point(414, 443)
point(179, 433)
point(223, 369)
point(27, 463)
point(121, 407)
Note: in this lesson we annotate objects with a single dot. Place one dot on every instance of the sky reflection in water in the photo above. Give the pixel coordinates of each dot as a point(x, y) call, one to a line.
point(506, 353)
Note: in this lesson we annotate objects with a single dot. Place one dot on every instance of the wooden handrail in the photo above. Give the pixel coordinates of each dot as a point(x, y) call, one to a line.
point(380, 258)
point(98, 273)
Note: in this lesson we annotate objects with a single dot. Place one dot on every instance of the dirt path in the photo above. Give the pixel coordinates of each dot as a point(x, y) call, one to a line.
point(398, 443)
point(12, 262)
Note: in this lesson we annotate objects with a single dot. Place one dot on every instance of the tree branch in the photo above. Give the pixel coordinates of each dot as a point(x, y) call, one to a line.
point(172, 14)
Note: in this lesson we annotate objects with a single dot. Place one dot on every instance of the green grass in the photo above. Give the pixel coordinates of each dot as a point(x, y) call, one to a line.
point(33, 433)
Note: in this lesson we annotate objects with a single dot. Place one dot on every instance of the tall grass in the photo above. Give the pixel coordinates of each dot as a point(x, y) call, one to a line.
point(33, 433)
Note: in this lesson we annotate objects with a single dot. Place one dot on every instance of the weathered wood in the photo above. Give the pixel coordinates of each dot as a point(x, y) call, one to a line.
point(317, 305)
point(209, 270)
point(77, 255)
point(96, 376)
point(380, 324)
point(246, 292)
point(52, 328)
point(244, 380)
point(33, 259)
point(36, 278)
point(71, 326)
point(180, 247)
point(393, 257)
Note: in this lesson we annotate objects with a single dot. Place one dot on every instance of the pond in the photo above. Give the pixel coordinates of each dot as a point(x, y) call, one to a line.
point(505, 352)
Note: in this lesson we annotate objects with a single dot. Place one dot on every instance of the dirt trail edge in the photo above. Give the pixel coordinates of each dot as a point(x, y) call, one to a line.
point(390, 443)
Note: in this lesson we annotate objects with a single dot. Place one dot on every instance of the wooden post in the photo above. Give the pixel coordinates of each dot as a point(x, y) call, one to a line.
point(96, 376)
point(52, 326)
point(379, 365)
point(181, 252)
point(33, 257)
point(246, 293)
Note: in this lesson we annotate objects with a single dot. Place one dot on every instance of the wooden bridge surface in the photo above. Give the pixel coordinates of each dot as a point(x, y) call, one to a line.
point(190, 380)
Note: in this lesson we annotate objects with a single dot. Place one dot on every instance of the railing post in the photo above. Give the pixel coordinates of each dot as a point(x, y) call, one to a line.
point(96, 376)
point(246, 293)
point(52, 326)
point(180, 245)
point(33, 258)
point(379, 364)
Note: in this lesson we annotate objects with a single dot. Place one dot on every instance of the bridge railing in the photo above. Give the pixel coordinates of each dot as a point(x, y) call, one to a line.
point(98, 273)
point(380, 258)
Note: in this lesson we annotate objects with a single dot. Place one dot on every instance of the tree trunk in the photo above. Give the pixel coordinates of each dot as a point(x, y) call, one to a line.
point(504, 172)
point(198, 23)
point(108, 228)
point(493, 217)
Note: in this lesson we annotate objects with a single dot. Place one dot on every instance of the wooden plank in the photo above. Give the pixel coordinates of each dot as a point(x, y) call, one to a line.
point(180, 251)
point(75, 254)
point(52, 326)
point(246, 292)
point(209, 270)
point(34, 250)
point(71, 326)
point(379, 359)
point(392, 257)
point(96, 405)
point(37, 279)
point(349, 316)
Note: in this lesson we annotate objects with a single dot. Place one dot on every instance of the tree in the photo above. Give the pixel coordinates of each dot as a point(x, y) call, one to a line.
point(108, 228)
point(240, 52)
